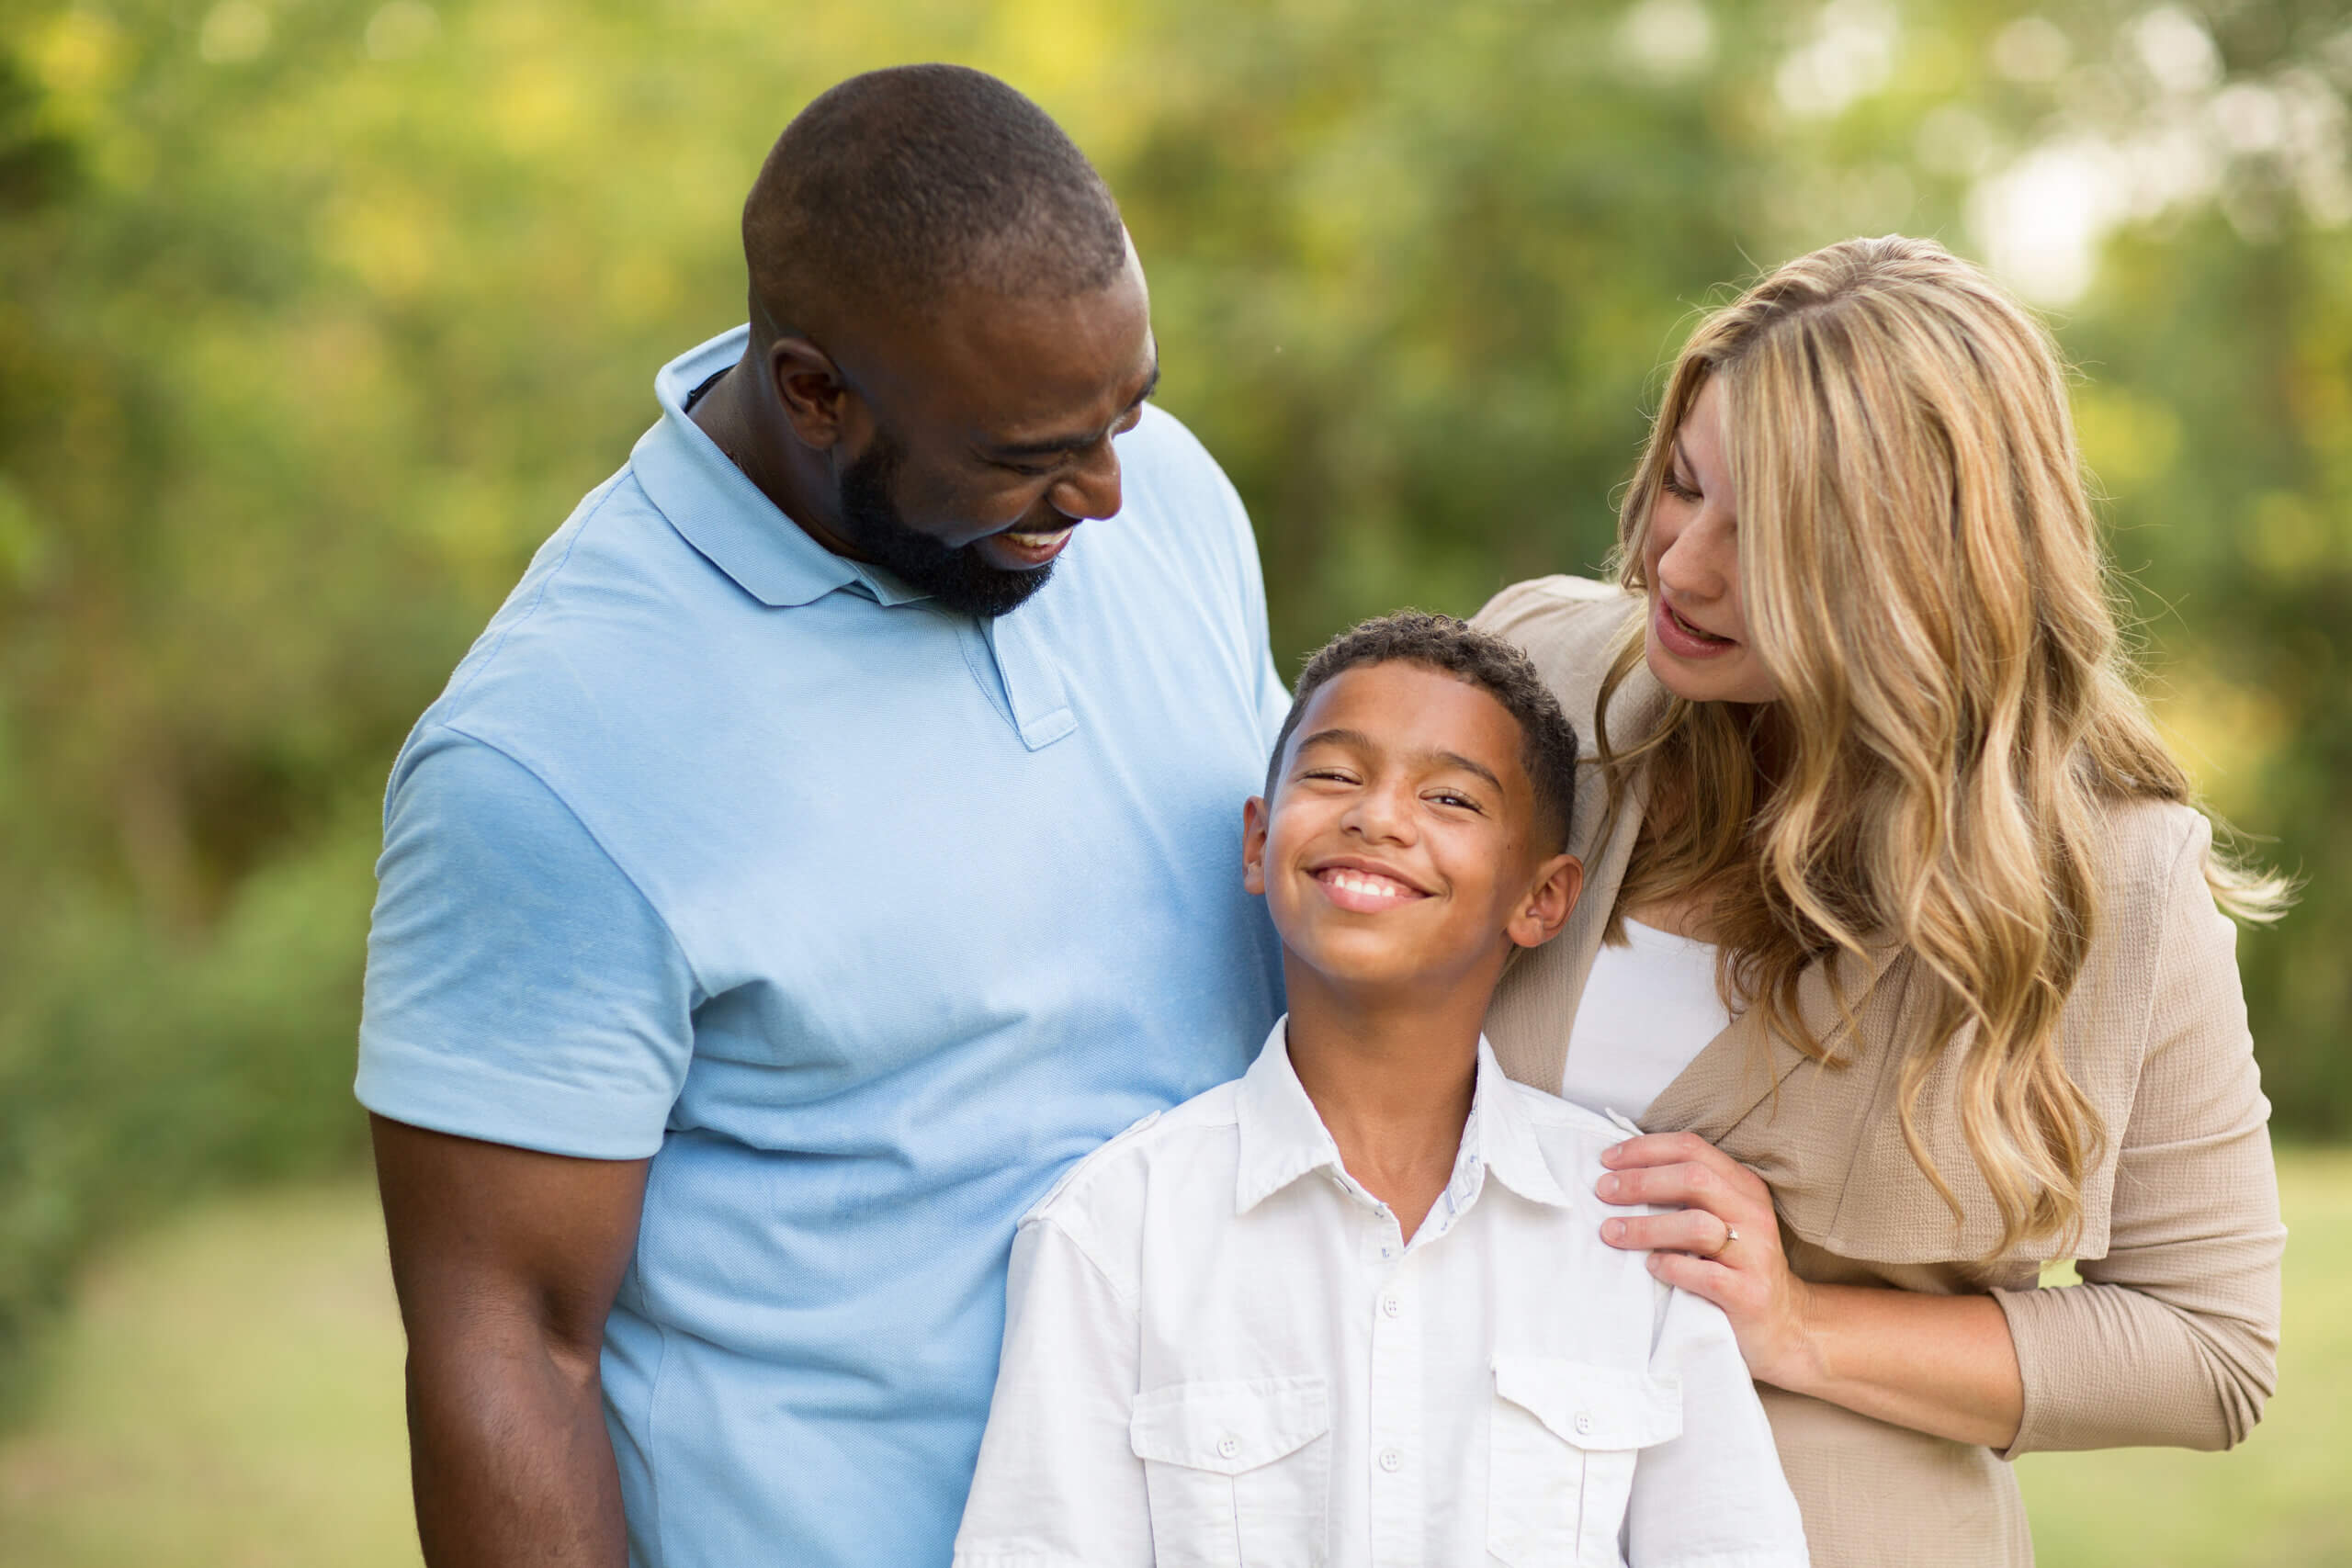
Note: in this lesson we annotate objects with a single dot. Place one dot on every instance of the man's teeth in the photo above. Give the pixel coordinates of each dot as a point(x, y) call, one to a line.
point(1368, 883)
point(1040, 540)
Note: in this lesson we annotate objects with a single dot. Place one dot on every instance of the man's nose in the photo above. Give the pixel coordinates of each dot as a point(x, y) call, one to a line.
point(1090, 490)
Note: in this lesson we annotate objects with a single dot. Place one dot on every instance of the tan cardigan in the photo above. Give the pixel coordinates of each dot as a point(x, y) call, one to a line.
point(2172, 1336)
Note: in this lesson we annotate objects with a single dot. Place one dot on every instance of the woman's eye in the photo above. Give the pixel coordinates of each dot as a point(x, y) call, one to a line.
point(1674, 487)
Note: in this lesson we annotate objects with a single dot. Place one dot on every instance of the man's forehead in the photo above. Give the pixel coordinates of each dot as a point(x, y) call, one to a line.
point(1019, 363)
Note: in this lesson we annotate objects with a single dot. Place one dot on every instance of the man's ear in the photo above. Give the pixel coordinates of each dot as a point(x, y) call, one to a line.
point(1546, 909)
point(1253, 846)
point(810, 389)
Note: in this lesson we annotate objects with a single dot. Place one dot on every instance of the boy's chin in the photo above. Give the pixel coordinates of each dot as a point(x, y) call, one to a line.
point(1385, 967)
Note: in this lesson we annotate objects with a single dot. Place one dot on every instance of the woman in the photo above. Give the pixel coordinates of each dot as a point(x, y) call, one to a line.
point(1900, 933)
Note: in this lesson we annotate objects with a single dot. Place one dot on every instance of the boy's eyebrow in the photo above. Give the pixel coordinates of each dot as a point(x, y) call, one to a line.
point(1359, 741)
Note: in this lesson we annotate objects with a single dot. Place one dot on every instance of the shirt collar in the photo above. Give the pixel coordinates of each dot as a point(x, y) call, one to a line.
point(1282, 1138)
point(723, 514)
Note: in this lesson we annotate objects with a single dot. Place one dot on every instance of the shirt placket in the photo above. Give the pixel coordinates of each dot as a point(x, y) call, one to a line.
point(1399, 1459)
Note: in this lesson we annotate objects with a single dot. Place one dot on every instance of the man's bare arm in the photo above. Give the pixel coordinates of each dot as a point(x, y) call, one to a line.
point(505, 1261)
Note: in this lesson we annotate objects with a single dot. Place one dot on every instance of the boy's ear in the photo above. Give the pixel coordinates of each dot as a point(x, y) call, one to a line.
point(1546, 909)
point(1253, 846)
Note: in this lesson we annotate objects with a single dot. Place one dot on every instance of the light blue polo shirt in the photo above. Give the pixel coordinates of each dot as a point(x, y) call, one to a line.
point(863, 919)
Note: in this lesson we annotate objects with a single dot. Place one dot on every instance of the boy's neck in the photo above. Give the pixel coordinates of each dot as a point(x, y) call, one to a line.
point(1392, 1078)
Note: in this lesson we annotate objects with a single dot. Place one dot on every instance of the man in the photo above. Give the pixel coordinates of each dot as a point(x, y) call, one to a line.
point(785, 889)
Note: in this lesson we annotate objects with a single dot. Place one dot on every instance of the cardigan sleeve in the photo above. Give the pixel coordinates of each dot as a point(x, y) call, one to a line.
point(2172, 1337)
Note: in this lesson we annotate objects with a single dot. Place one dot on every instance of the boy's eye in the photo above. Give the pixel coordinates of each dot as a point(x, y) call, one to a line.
point(1448, 797)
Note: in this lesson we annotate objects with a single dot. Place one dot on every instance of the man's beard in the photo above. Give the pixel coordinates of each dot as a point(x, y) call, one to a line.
point(957, 578)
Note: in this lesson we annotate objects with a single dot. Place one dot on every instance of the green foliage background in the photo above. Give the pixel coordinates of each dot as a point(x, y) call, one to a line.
point(316, 316)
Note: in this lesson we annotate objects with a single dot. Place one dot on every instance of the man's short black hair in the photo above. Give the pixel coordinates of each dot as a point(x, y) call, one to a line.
point(895, 187)
point(1547, 741)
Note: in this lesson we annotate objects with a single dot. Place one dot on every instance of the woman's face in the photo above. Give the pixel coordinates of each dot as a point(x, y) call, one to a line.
point(1697, 638)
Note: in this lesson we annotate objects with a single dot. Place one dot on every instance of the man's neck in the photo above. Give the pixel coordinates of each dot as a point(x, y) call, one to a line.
point(1392, 1081)
point(730, 413)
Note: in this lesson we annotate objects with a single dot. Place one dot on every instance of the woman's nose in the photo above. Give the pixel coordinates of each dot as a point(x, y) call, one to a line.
point(1697, 559)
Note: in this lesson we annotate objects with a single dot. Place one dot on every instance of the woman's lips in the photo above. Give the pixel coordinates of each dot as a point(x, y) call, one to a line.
point(1682, 638)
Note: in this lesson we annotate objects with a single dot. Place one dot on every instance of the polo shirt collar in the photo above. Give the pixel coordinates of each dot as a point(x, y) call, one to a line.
point(1282, 1138)
point(723, 514)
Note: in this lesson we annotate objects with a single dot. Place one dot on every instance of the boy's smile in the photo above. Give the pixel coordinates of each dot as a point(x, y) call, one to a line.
point(1401, 845)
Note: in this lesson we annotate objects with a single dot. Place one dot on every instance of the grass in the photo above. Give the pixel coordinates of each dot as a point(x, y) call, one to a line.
point(229, 1396)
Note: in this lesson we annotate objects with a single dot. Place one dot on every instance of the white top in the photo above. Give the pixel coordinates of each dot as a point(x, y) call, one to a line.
point(1219, 1349)
point(1649, 1008)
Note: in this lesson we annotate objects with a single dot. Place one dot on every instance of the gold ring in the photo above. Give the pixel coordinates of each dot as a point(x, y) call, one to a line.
point(1731, 1234)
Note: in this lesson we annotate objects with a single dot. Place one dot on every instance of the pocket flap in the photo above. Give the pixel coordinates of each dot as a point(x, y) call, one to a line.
point(1592, 1406)
point(1229, 1426)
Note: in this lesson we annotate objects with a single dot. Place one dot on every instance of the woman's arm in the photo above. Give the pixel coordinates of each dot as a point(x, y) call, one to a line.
point(2171, 1339)
point(2173, 1336)
point(1941, 1364)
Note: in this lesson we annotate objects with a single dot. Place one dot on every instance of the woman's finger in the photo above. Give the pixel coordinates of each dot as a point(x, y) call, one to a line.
point(1660, 1148)
point(1692, 1231)
point(1720, 1185)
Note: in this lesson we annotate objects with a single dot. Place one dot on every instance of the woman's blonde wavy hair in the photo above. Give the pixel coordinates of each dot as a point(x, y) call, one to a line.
point(1923, 578)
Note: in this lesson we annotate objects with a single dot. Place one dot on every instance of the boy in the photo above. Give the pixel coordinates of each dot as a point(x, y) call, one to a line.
point(1354, 1308)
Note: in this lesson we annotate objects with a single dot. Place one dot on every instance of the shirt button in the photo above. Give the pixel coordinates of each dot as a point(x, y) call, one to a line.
point(1391, 1305)
point(1387, 1250)
point(1391, 1460)
point(1228, 1447)
point(1584, 1420)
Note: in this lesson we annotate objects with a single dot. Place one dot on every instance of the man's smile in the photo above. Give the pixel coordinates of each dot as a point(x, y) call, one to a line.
point(1028, 548)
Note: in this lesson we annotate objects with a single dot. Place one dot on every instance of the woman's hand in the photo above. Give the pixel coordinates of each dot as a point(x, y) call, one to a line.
point(1940, 1364)
point(1723, 1242)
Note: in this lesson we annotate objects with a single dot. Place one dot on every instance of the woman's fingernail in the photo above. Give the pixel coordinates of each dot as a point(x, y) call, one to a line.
point(1609, 1154)
point(1614, 1229)
point(1606, 1186)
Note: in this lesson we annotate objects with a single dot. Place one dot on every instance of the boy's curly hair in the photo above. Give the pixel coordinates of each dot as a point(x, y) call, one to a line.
point(1547, 749)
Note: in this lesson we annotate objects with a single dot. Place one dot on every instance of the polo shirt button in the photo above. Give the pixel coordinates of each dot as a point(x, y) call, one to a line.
point(1228, 1447)
point(1391, 1305)
point(1584, 1421)
point(1391, 1460)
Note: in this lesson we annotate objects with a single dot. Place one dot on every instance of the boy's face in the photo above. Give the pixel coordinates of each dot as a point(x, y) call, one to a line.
point(1402, 844)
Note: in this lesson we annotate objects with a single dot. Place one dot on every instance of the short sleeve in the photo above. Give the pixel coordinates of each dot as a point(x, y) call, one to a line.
point(520, 990)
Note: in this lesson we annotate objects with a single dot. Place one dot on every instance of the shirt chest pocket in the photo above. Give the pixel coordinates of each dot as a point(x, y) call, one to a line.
point(1563, 1437)
point(1238, 1473)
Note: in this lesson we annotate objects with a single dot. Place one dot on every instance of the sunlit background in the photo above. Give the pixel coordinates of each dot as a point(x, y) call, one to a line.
point(316, 316)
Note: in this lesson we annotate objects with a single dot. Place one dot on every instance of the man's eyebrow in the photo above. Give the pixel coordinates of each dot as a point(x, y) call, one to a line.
point(1062, 445)
point(1358, 740)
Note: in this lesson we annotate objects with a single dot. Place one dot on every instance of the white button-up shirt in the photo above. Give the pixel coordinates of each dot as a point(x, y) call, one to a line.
point(1220, 1350)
